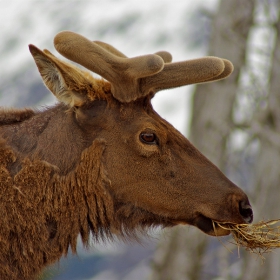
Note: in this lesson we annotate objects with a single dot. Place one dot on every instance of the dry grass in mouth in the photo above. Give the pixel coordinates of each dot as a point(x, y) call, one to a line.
point(259, 238)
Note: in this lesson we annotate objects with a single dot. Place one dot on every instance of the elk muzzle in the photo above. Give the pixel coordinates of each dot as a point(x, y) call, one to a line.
point(238, 212)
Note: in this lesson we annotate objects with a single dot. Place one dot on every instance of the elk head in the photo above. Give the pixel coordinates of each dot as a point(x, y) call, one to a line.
point(153, 169)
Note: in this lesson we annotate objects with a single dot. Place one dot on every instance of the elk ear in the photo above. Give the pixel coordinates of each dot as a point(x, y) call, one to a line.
point(65, 81)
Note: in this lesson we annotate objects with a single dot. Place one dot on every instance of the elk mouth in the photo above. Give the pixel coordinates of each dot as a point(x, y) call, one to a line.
point(209, 226)
point(206, 225)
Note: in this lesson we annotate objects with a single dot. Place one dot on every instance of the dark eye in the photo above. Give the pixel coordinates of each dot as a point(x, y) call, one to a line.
point(148, 138)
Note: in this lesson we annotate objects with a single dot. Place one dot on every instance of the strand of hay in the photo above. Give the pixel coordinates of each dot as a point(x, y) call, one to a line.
point(259, 238)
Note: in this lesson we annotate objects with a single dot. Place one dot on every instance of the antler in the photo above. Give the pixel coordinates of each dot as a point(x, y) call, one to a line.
point(201, 70)
point(133, 78)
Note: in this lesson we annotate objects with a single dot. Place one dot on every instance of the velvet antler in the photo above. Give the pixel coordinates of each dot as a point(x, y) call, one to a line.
point(133, 78)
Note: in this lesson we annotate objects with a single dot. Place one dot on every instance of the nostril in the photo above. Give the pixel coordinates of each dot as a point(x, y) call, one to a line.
point(246, 211)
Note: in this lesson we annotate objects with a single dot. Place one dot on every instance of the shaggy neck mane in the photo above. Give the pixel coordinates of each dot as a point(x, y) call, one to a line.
point(42, 213)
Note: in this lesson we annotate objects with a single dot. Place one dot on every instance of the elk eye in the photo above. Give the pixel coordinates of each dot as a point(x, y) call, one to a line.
point(148, 138)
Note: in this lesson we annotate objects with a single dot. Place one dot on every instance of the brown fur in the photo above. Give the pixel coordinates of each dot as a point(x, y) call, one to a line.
point(80, 168)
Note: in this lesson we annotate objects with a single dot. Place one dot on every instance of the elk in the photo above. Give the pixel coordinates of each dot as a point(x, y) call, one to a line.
point(102, 162)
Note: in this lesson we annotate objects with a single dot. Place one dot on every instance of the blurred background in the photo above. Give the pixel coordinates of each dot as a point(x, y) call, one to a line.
point(234, 122)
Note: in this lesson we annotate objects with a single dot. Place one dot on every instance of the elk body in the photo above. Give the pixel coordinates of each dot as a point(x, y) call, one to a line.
point(102, 161)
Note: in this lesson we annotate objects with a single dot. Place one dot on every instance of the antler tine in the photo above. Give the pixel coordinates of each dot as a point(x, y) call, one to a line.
point(122, 72)
point(227, 71)
point(188, 72)
point(110, 49)
point(166, 56)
